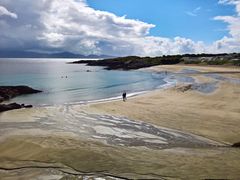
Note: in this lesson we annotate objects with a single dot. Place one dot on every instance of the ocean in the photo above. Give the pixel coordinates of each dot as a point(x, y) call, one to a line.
point(64, 83)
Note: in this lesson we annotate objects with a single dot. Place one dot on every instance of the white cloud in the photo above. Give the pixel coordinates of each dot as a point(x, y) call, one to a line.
point(4, 11)
point(232, 42)
point(194, 12)
point(71, 25)
point(234, 2)
point(78, 27)
point(227, 44)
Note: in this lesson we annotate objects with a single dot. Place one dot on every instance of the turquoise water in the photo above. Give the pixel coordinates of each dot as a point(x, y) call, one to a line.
point(49, 75)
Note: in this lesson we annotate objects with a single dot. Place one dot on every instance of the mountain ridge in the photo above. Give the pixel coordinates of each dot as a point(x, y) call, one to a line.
point(27, 54)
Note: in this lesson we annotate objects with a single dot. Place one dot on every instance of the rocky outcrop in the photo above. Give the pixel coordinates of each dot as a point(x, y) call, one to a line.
point(135, 62)
point(7, 107)
point(12, 106)
point(8, 92)
point(131, 62)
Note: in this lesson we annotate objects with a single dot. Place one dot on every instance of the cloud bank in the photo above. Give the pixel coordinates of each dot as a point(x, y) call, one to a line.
point(71, 25)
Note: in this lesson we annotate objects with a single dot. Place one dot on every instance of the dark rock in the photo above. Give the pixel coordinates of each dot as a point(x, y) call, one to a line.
point(12, 106)
point(236, 145)
point(8, 107)
point(28, 106)
point(8, 92)
point(1, 99)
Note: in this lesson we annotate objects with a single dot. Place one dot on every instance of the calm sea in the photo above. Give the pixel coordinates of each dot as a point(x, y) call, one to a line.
point(64, 83)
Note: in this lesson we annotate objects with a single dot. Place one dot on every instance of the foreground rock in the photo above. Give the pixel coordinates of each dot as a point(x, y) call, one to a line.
point(7, 107)
point(12, 106)
point(8, 92)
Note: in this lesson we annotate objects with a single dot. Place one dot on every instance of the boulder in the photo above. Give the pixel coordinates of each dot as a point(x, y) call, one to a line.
point(8, 107)
point(28, 106)
point(12, 106)
point(8, 92)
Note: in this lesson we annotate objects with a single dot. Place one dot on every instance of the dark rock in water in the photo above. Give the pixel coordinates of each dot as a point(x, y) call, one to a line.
point(28, 106)
point(8, 107)
point(8, 92)
point(236, 145)
point(12, 106)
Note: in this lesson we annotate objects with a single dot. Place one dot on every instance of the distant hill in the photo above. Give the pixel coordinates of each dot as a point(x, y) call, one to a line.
point(27, 54)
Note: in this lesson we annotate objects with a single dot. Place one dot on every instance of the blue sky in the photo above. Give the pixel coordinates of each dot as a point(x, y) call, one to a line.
point(186, 18)
point(121, 27)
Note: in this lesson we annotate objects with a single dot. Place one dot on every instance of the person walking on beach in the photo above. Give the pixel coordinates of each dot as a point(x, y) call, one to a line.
point(124, 96)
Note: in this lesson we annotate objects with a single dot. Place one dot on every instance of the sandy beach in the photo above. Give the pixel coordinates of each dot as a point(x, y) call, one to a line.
point(214, 115)
point(181, 132)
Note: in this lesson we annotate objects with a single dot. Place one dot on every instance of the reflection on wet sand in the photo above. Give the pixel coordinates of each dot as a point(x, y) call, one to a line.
point(104, 128)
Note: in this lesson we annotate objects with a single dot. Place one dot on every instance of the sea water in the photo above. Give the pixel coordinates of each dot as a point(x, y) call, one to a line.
point(64, 83)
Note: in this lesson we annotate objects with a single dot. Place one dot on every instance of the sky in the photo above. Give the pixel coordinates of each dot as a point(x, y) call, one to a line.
point(120, 27)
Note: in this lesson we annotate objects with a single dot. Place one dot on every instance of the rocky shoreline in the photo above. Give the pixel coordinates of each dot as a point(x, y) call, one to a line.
point(8, 92)
point(135, 62)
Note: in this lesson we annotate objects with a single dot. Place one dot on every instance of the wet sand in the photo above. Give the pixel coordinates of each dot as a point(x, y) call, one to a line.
point(182, 132)
point(110, 130)
point(215, 115)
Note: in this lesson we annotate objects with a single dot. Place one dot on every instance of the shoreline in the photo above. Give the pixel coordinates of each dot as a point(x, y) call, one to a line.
point(167, 85)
